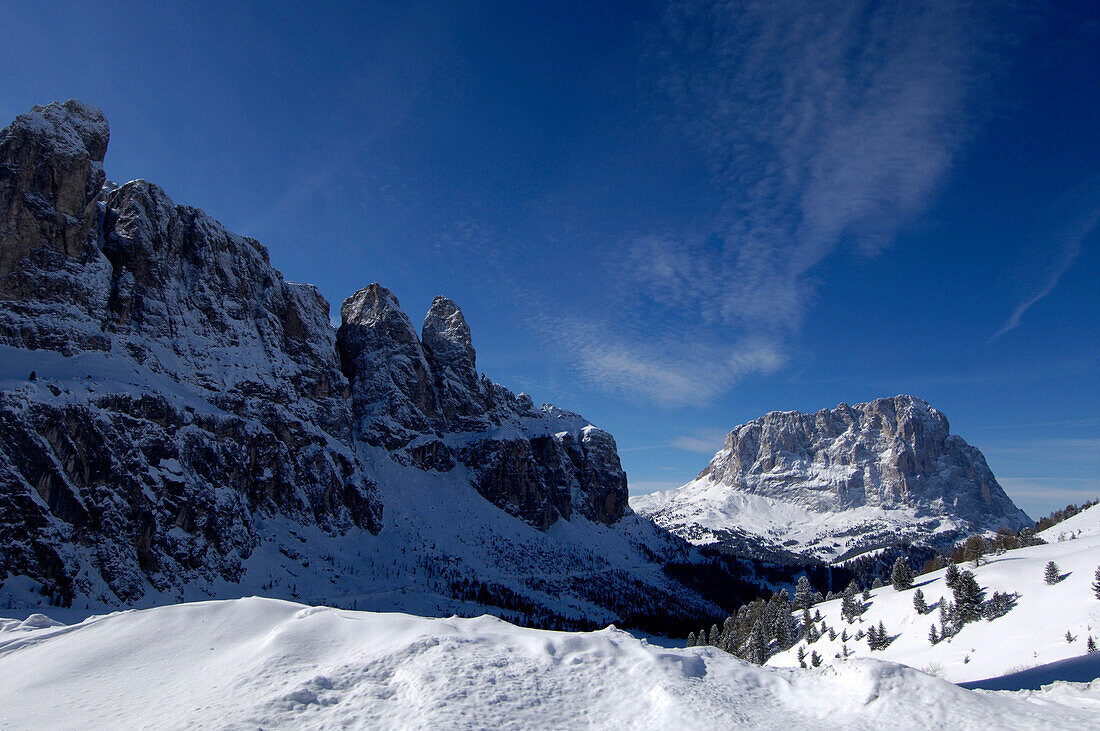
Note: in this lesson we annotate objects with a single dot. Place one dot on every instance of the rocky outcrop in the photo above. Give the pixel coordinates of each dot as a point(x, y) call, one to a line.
point(888, 470)
point(421, 399)
point(207, 393)
point(171, 407)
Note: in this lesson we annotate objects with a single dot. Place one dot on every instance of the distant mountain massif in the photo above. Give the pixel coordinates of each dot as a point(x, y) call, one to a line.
point(838, 483)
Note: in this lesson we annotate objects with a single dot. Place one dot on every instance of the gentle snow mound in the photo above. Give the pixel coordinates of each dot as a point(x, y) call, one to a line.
point(265, 663)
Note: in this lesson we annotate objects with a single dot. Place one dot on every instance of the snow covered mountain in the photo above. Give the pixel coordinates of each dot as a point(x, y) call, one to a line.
point(179, 422)
point(261, 663)
point(1028, 637)
point(838, 483)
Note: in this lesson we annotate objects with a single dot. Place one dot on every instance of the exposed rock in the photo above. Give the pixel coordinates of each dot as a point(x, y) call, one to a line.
point(422, 400)
point(190, 417)
point(213, 394)
point(888, 470)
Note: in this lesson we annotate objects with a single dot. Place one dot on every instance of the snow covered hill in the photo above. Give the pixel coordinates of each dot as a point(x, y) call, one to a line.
point(1031, 634)
point(252, 663)
point(838, 483)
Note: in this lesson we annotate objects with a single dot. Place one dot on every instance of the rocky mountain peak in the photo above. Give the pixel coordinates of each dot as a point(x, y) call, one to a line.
point(51, 173)
point(884, 468)
point(446, 334)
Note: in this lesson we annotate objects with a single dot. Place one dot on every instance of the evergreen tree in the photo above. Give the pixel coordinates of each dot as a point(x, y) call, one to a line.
point(883, 636)
point(832, 634)
point(876, 584)
point(951, 576)
point(807, 621)
point(968, 598)
point(844, 636)
point(901, 576)
point(714, 635)
point(757, 651)
point(815, 659)
point(1070, 637)
point(847, 609)
point(691, 639)
point(932, 636)
point(1096, 584)
point(803, 594)
point(1052, 574)
point(919, 603)
point(817, 615)
point(859, 635)
point(872, 638)
point(801, 657)
point(1091, 645)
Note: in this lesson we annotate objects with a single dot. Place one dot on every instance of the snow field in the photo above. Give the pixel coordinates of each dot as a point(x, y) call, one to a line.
point(260, 662)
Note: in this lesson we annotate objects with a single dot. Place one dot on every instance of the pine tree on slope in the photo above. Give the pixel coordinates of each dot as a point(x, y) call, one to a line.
point(951, 576)
point(1052, 574)
point(918, 602)
point(968, 598)
point(901, 576)
point(1096, 584)
point(757, 651)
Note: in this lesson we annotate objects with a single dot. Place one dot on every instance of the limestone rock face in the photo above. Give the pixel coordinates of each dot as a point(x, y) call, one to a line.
point(420, 398)
point(186, 390)
point(175, 415)
point(885, 471)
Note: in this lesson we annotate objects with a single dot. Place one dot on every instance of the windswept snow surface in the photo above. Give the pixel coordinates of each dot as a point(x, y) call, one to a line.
point(254, 662)
point(1031, 634)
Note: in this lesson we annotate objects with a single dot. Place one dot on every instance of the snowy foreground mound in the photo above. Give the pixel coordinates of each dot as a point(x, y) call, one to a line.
point(270, 663)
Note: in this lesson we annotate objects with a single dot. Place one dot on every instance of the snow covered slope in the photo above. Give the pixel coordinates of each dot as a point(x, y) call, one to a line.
point(1083, 525)
point(838, 483)
point(261, 663)
point(1031, 634)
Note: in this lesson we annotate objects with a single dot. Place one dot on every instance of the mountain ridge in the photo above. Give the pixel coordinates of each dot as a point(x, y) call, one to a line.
point(178, 422)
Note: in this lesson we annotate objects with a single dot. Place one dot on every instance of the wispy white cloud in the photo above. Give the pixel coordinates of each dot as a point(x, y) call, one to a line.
point(701, 441)
point(1057, 240)
point(825, 125)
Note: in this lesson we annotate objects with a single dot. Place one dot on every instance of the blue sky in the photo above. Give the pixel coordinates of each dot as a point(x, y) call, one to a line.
point(671, 218)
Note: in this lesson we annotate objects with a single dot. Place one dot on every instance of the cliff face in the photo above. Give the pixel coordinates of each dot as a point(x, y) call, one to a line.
point(422, 400)
point(886, 470)
point(172, 411)
point(198, 389)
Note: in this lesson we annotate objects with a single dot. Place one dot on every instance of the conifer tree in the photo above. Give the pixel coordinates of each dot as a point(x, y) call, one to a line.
point(757, 651)
point(872, 638)
point(951, 576)
point(932, 636)
point(815, 659)
point(876, 584)
point(918, 602)
point(883, 637)
point(1070, 637)
point(901, 576)
point(1091, 645)
point(832, 634)
point(691, 639)
point(714, 635)
point(1052, 574)
point(968, 598)
point(802, 657)
point(803, 594)
point(1096, 584)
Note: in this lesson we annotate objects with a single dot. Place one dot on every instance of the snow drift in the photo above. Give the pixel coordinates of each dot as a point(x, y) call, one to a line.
point(251, 663)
